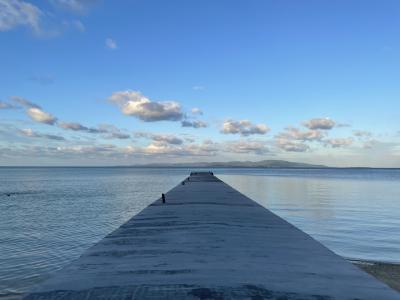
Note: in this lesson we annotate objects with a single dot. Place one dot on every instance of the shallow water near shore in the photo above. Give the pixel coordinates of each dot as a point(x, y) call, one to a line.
point(49, 216)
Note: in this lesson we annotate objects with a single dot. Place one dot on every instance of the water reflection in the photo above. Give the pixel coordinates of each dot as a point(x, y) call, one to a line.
point(356, 217)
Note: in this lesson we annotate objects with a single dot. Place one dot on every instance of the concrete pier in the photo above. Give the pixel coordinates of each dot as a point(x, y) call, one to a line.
point(208, 241)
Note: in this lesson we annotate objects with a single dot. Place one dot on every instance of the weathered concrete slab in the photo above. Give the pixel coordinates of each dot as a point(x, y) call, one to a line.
point(208, 241)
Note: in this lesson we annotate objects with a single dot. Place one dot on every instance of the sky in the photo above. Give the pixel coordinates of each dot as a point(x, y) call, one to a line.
point(90, 82)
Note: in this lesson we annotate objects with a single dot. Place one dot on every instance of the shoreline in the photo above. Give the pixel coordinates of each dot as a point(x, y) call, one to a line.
point(389, 273)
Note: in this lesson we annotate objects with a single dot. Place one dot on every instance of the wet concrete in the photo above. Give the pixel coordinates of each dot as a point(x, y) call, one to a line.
point(208, 241)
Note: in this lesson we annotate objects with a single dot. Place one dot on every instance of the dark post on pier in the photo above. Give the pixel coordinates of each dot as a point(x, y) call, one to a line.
point(210, 242)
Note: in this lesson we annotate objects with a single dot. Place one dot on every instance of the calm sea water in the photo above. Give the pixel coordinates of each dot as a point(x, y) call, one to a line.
point(52, 215)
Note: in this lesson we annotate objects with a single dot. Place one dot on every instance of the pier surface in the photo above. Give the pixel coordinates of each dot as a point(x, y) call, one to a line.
point(208, 241)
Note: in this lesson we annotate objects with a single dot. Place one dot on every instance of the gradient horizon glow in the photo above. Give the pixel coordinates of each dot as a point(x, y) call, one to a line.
point(86, 82)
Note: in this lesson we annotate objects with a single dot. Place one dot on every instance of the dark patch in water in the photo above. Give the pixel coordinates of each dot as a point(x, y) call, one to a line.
point(158, 272)
point(9, 194)
point(206, 293)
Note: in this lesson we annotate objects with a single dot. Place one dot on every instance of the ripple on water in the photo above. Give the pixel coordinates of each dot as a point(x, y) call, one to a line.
point(49, 216)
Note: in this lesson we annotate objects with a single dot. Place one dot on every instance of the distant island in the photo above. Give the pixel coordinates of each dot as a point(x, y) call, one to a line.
point(234, 164)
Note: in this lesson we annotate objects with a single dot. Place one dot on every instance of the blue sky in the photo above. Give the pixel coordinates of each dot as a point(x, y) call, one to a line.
point(113, 82)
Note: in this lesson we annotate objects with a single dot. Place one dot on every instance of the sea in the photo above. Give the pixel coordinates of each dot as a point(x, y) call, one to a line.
point(49, 216)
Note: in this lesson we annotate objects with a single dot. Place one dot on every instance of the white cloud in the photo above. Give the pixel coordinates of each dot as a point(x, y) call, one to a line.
point(161, 148)
point(320, 123)
point(35, 111)
point(72, 126)
point(114, 132)
point(163, 138)
point(243, 127)
point(38, 115)
point(108, 153)
point(14, 13)
point(170, 145)
point(119, 135)
point(292, 146)
point(185, 150)
point(24, 102)
point(83, 149)
point(293, 133)
point(339, 142)
point(197, 111)
point(41, 116)
point(79, 127)
point(135, 104)
point(194, 124)
point(109, 131)
point(204, 149)
point(18, 13)
point(111, 44)
point(169, 139)
point(30, 133)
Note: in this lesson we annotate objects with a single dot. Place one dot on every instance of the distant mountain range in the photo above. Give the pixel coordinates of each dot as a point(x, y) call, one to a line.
point(235, 164)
